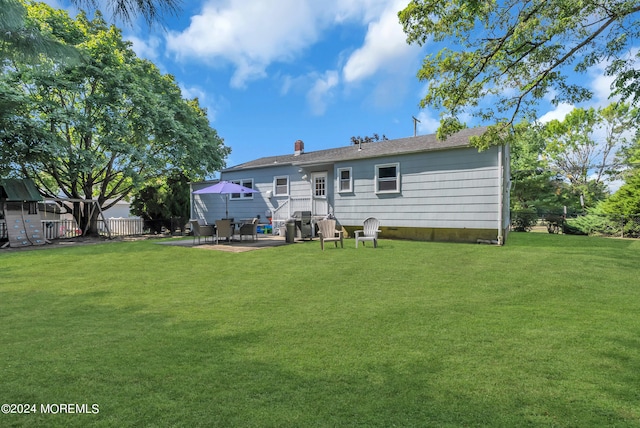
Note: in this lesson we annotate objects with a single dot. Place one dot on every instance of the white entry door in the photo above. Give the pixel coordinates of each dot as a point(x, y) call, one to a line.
point(320, 206)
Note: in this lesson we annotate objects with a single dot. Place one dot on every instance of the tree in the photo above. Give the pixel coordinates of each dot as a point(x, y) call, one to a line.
point(110, 123)
point(163, 201)
point(21, 38)
point(571, 149)
point(23, 41)
point(629, 156)
point(19, 35)
point(585, 160)
point(626, 200)
point(534, 185)
point(151, 10)
point(512, 53)
point(362, 140)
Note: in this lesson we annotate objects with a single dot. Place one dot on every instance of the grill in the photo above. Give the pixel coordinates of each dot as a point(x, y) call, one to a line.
point(303, 224)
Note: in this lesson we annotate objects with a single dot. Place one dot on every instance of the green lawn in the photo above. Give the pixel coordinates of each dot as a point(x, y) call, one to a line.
point(542, 332)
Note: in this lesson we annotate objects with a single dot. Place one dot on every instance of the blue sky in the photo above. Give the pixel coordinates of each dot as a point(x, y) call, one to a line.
point(272, 72)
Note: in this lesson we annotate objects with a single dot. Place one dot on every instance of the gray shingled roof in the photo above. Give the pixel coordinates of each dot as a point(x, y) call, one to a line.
point(421, 143)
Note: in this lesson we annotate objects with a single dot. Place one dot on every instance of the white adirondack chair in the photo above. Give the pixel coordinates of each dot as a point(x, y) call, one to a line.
point(327, 232)
point(370, 232)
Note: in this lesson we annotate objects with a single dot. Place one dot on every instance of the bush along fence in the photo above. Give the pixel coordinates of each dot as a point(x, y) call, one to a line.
point(590, 223)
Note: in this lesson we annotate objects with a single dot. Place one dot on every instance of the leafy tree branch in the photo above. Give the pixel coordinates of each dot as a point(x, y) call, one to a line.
point(510, 54)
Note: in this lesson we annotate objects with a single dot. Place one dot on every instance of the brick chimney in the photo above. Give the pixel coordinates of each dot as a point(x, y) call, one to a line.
point(298, 147)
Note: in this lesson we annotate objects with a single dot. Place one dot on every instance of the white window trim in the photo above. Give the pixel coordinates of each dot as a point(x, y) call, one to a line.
point(242, 181)
point(275, 187)
point(315, 176)
point(397, 179)
point(339, 180)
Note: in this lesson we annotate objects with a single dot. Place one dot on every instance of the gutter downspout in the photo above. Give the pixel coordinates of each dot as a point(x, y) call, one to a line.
point(500, 195)
point(191, 201)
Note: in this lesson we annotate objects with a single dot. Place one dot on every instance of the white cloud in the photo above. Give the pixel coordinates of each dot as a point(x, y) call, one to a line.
point(147, 49)
point(191, 92)
point(322, 91)
point(340, 11)
point(614, 185)
point(213, 106)
point(428, 124)
point(601, 84)
point(557, 113)
point(54, 3)
point(250, 35)
point(385, 47)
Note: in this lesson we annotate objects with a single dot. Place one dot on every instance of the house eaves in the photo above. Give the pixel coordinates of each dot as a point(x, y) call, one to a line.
point(401, 146)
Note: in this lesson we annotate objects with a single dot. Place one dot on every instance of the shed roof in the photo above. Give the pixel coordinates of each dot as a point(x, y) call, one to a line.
point(14, 189)
point(421, 143)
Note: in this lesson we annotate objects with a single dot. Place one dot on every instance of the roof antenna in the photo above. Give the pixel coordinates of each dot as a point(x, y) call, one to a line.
point(415, 124)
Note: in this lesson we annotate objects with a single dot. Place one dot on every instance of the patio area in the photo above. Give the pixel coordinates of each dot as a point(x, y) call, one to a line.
point(263, 241)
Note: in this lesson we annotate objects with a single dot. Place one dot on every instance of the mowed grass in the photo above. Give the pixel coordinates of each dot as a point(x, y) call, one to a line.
point(542, 332)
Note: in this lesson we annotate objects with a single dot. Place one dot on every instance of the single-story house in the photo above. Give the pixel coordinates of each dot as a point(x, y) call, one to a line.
point(419, 188)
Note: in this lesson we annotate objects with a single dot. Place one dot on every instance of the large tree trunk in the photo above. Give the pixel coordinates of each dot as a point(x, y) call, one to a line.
point(87, 217)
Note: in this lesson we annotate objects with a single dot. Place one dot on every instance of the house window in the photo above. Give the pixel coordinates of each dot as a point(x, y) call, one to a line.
point(320, 186)
point(388, 178)
point(344, 180)
point(281, 186)
point(248, 182)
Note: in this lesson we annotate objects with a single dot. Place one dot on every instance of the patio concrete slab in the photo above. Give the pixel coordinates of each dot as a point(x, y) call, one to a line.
point(233, 247)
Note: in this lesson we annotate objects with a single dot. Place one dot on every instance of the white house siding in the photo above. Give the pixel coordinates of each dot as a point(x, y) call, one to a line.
point(438, 189)
point(448, 191)
point(212, 206)
point(120, 210)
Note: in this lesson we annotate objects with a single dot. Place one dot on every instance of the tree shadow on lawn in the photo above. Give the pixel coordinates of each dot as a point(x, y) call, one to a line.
point(144, 366)
point(622, 363)
point(539, 240)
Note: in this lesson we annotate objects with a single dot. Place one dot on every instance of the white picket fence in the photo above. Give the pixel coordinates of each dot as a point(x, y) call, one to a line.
point(122, 226)
point(284, 212)
point(68, 228)
point(59, 229)
point(291, 205)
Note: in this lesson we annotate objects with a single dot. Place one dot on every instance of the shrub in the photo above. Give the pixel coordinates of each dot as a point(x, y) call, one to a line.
point(522, 220)
point(595, 222)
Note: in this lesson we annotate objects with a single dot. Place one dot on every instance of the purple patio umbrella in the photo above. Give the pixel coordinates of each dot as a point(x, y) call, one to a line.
point(225, 188)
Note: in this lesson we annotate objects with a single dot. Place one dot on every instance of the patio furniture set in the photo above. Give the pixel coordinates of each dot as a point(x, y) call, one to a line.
point(224, 229)
point(227, 229)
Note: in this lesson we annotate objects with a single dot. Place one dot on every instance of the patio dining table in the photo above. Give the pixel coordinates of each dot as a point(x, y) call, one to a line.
point(236, 225)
